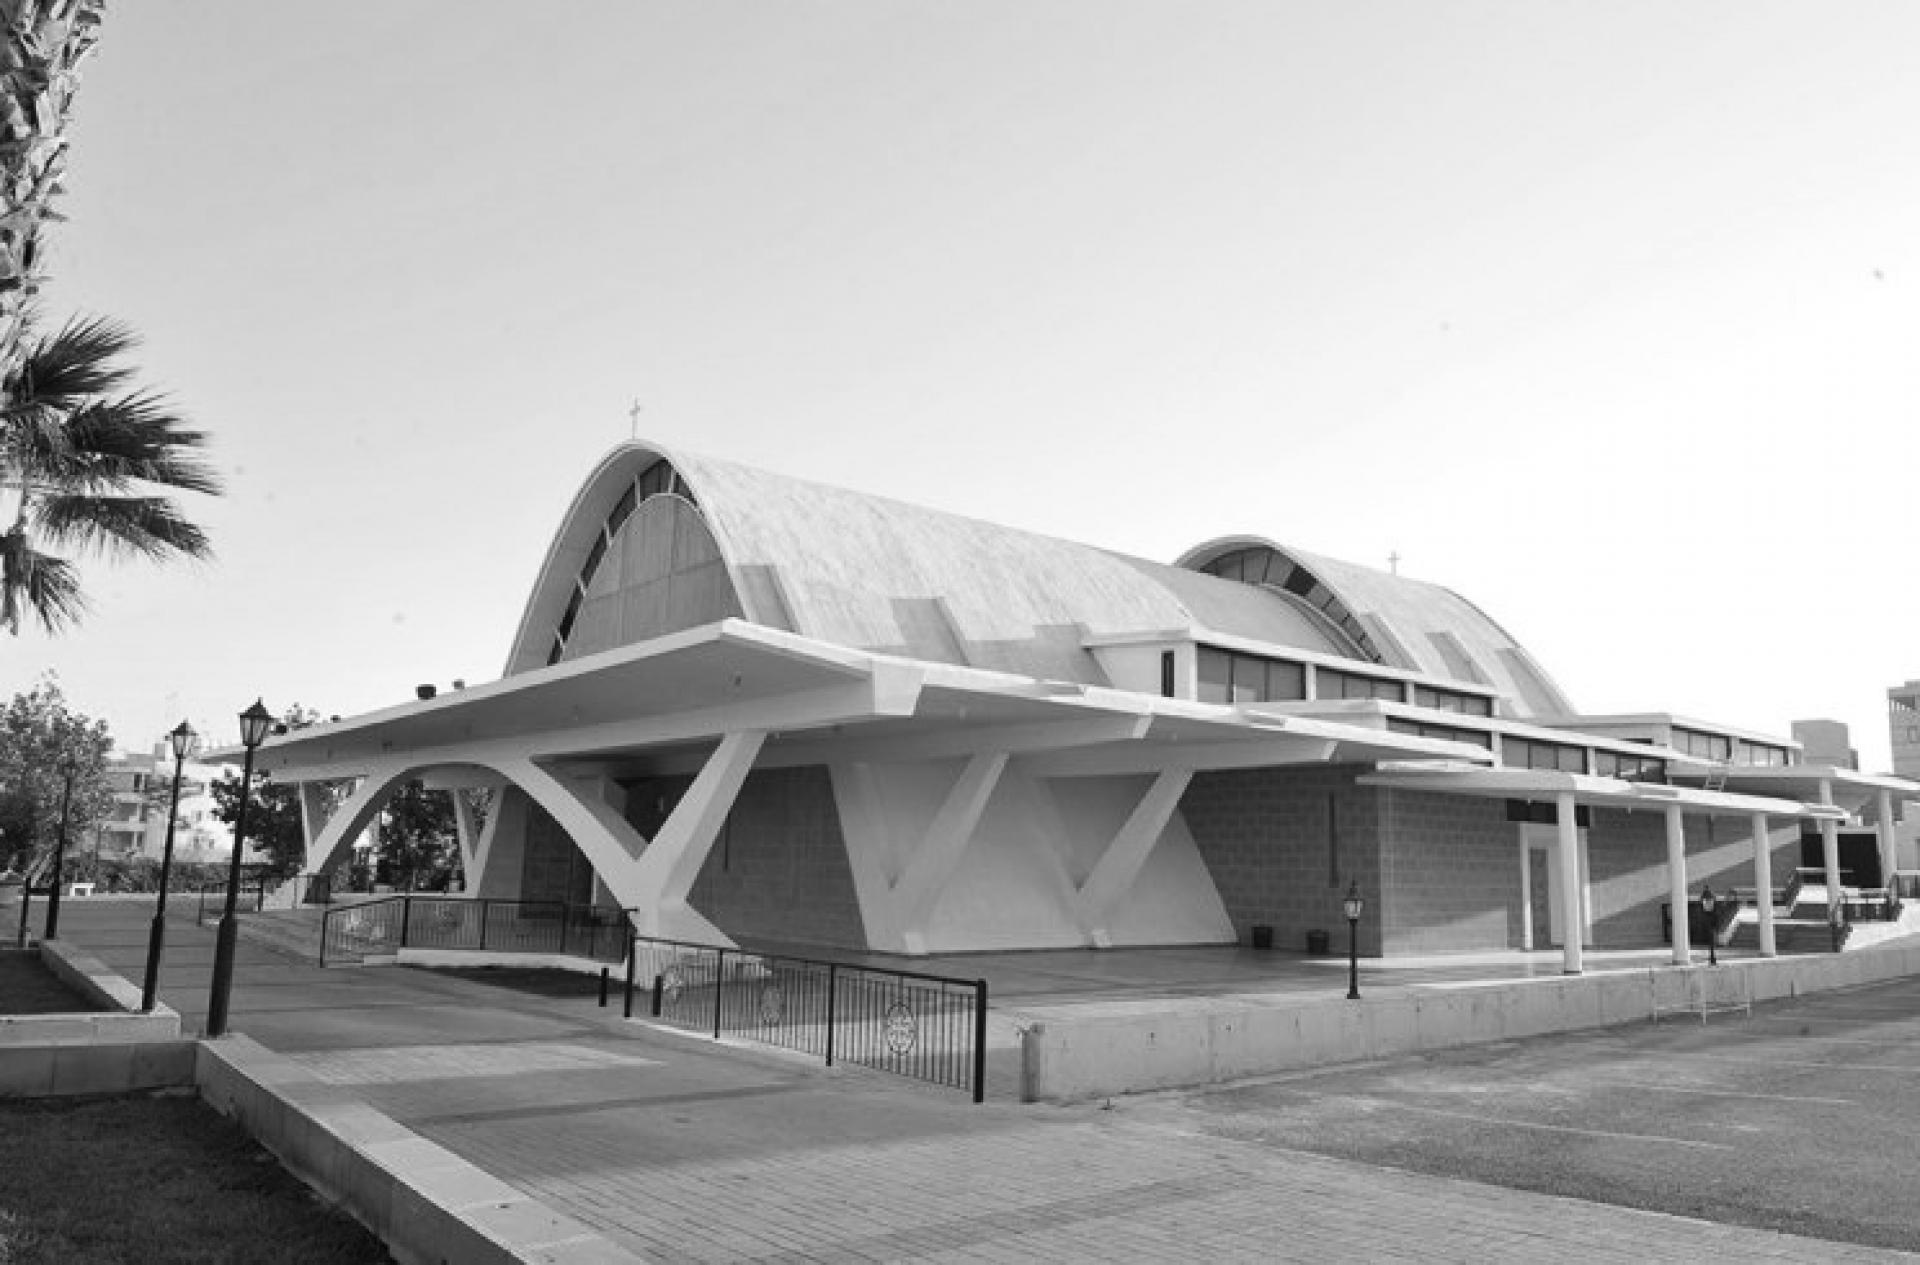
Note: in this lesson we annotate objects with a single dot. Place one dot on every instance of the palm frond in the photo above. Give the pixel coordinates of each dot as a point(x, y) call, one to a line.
point(37, 582)
point(119, 526)
point(113, 445)
point(75, 363)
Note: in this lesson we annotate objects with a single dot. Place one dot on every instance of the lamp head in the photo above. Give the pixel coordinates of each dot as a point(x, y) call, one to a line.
point(254, 723)
point(1707, 900)
point(182, 740)
point(1354, 904)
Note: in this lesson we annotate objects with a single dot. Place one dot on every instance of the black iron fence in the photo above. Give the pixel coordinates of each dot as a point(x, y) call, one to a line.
point(388, 924)
point(927, 1027)
point(250, 899)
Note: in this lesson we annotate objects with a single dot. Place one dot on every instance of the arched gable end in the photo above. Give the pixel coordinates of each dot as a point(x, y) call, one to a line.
point(1393, 620)
point(635, 558)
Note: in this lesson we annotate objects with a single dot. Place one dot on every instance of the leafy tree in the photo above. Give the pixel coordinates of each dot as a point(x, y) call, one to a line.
point(419, 843)
point(274, 827)
point(82, 458)
point(49, 753)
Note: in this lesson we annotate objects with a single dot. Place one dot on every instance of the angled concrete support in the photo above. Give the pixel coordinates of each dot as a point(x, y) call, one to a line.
point(939, 853)
point(1113, 876)
point(673, 859)
point(1677, 886)
point(353, 815)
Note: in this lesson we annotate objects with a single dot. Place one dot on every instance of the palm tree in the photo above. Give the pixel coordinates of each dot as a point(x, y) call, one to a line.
point(86, 458)
point(42, 43)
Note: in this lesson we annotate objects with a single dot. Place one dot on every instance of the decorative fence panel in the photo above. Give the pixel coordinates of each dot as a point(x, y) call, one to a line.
point(927, 1027)
point(459, 923)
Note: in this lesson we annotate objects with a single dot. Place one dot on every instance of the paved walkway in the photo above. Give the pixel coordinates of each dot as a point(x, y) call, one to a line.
point(686, 1152)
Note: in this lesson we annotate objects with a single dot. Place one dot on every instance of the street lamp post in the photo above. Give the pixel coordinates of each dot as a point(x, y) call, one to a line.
point(52, 930)
point(1354, 906)
point(181, 740)
point(1707, 902)
point(254, 723)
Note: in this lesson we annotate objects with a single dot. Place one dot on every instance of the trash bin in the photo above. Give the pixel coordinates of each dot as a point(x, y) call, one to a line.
point(1317, 943)
point(1263, 937)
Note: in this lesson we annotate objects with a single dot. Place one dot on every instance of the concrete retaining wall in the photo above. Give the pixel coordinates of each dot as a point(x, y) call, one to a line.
point(1078, 1052)
point(120, 1022)
point(425, 1203)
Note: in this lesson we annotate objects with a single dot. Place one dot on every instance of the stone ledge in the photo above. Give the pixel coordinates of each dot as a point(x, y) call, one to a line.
point(1070, 1052)
point(121, 1020)
point(426, 1203)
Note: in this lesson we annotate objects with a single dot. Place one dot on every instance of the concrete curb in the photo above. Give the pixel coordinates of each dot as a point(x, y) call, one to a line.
point(120, 1022)
point(1071, 1053)
point(424, 1202)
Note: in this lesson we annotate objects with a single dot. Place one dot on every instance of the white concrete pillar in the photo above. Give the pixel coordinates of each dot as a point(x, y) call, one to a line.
point(1763, 883)
point(1830, 850)
point(1677, 885)
point(1883, 827)
point(1526, 892)
point(1571, 922)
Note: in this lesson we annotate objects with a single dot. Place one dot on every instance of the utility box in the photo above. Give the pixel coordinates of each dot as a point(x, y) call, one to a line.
point(1263, 937)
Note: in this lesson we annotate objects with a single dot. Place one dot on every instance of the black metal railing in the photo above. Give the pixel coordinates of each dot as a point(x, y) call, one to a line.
point(388, 924)
point(930, 1028)
point(251, 898)
point(1906, 884)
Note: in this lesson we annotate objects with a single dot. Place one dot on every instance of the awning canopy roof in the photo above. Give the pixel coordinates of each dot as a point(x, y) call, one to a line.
point(1604, 792)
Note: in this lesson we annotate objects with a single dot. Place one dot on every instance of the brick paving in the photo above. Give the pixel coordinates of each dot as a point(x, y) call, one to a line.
point(687, 1152)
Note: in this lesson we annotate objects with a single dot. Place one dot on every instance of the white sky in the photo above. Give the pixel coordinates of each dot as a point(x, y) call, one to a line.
point(1604, 315)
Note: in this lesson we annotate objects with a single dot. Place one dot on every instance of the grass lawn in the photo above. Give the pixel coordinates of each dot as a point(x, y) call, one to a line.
point(153, 1181)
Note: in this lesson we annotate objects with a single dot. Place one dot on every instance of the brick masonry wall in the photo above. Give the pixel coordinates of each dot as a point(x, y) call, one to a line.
point(1451, 873)
point(1264, 836)
point(551, 867)
point(778, 870)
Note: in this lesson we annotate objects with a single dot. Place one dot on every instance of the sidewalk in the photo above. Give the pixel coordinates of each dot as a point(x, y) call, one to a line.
point(687, 1152)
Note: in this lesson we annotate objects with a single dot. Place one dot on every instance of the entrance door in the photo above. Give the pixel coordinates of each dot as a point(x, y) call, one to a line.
point(1543, 879)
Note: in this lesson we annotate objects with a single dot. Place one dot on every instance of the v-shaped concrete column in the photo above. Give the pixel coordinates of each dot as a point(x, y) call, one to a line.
point(1114, 874)
point(939, 853)
point(651, 878)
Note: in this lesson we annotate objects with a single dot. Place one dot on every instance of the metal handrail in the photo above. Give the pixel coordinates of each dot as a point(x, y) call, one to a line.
point(427, 920)
point(911, 1023)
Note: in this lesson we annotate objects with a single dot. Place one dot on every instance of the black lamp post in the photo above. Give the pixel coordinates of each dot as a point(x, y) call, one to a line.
point(1707, 902)
point(254, 723)
point(1354, 906)
point(181, 740)
point(52, 930)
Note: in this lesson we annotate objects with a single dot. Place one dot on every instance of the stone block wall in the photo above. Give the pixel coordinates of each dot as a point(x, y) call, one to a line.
point(551, 867)
point(1451, 874)
point(1627, 867)
point(1281, 846)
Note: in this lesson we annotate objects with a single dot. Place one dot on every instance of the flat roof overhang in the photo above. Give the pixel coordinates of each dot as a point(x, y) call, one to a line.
point(1849, 788)
point(1601, 792)
point(662, 704)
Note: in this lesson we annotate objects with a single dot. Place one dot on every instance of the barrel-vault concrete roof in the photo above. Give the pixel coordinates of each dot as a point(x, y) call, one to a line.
point(865, 571)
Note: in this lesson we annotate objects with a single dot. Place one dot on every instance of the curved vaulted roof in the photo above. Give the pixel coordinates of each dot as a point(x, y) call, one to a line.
point(656, 530)
point(1400, 622)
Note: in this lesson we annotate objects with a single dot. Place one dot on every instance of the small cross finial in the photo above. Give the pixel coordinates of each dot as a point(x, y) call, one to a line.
point(1393, 561)
point(633, 416)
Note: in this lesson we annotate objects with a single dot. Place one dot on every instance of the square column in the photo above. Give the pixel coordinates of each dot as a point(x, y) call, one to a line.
point(1830, 851)
point(1763, 884)
point(1883, 827)
point(1570, 885)
point(1677, 886)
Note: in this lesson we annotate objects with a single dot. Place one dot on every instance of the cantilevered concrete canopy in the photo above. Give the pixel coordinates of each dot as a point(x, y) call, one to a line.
point(718, 702)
